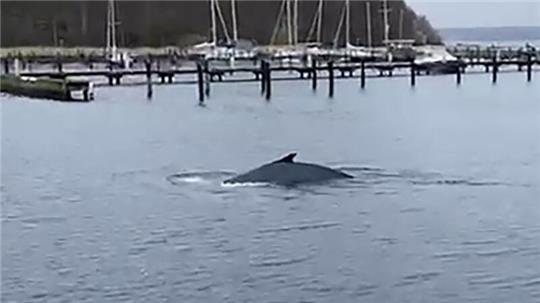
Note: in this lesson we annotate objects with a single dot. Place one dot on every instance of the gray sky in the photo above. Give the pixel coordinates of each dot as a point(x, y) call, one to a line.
point(462, 13)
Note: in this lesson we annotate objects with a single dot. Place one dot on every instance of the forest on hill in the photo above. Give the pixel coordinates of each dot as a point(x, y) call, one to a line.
point(180, 23)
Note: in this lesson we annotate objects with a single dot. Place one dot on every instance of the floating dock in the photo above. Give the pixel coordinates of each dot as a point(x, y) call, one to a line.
point(47, 88)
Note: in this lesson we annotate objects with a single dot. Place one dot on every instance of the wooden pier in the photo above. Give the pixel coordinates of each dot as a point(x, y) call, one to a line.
point(262, 69)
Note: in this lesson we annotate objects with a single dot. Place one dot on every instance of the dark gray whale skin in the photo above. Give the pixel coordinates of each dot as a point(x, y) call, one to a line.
point(287, 172)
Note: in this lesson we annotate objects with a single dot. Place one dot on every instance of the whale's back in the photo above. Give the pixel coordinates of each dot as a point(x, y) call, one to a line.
point(289, 173)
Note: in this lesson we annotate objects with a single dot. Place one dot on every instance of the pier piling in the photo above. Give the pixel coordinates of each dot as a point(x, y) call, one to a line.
point(331, 79)
point(6, 66)
point(314, 74)
point(148, 67)
point(529, 68)
point(494, 70)
point(268, 78)
point(363, 75)
point(207, 79)
point(458, 75)
point(413, 74)
point(263, 76)
point(200, 82)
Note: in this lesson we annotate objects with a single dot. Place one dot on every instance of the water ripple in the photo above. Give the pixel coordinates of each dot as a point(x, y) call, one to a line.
point(479, 242)
point(417, 278)
point(497, 252)
point(278, 262)
point(199, 177)
point(450, 255)
point(307, 226)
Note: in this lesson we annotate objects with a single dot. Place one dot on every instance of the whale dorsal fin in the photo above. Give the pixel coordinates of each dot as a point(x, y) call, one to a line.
point(287, 159)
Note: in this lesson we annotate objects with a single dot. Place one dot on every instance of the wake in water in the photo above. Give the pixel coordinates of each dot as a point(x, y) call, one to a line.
point(375, 175)
point(199, 177)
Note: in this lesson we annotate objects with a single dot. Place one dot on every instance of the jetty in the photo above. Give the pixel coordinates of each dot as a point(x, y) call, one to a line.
point(60, 89)
point(310, 63)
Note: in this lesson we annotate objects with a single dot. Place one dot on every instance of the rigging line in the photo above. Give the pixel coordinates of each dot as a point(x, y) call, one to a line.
point(222, 21)
point(278, 23)
point(338, 31)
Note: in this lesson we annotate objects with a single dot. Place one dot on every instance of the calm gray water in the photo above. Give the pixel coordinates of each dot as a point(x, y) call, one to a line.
point(121, 199)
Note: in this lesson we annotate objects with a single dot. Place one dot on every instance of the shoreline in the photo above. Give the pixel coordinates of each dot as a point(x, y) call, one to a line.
point(78, 51)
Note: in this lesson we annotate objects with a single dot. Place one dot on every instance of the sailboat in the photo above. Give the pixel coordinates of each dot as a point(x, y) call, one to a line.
point(213, 50)
point(314, 48)
point(350, 49)
point(112, 55)
point(294, 51)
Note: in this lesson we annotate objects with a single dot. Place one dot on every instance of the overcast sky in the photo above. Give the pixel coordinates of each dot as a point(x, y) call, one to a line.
point(463, 13)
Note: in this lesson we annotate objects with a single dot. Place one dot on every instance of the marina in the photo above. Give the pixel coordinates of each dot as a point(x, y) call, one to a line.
point(230, 59)
point(156, 69)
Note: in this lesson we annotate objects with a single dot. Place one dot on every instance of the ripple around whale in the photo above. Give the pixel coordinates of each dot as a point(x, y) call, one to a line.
point(376, 175)
point(199, 177)
point(363, 177)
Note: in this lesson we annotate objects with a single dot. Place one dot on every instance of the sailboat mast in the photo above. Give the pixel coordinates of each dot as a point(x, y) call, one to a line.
point(368, 20)
point(401, 24)
point(108, 29)
point(386, 25)
point(347, 23)
point(338, 30)
point(113, 26)
point(295, 18)
point(111, 30)
point(233, 13)
point(289, 29)
point(213, 20)
point(319, 20)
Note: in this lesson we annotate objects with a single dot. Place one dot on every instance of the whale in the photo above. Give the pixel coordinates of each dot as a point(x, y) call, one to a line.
point(287, 172)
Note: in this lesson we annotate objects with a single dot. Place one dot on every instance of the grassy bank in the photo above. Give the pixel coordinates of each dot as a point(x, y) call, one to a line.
point(45, 51)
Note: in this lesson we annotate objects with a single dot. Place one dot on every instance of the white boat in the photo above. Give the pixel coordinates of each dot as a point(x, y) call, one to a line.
point(435, 59)
point(228, 51)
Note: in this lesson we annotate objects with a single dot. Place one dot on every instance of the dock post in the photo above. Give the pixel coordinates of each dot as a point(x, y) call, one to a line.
point(314, 74)
point(494, 70)
point(206, 79)
point(529, 68)
point(6, 66)
point(268, 78)
point(413, 74)
point(263, 76)
point(458, 74)
point(200, 82)
point(148, 66)
point(331, 79)
point(363, 75)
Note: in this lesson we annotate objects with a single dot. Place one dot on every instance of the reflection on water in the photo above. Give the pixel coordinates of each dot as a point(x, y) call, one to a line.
point(121, 200)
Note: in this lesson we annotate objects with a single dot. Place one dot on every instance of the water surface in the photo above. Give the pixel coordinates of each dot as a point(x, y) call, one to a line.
point(121, 199)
